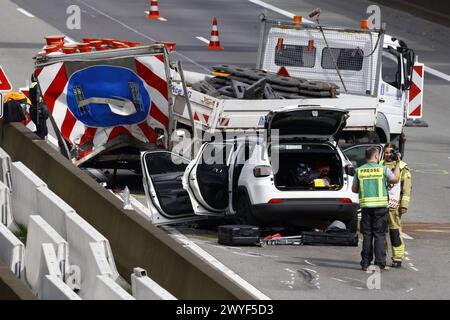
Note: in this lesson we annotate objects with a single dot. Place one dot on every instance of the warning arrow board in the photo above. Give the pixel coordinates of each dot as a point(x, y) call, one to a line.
point(5, 85)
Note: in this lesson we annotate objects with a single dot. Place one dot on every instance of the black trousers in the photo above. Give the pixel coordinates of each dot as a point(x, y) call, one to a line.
point(374, 224)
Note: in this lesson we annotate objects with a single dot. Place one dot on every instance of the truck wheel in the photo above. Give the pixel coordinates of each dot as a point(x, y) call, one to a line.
point(244, 210)
point(352, 225)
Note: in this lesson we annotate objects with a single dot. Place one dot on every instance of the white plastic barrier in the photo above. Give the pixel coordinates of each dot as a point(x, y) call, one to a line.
point(80, 235)
point(11, 251)
point(107, 289)
point(6, 217)
point(5, 168)
point(53, 210)
point(40, 232)
point(145, 288)
point(24, 192)
point(53, 288)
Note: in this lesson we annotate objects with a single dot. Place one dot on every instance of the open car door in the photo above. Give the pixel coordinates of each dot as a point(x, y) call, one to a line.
point(207, 179)
point(357, 154)
point(162, 178)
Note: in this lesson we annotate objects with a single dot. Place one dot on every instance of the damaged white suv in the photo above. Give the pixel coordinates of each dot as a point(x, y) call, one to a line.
point(298, 175)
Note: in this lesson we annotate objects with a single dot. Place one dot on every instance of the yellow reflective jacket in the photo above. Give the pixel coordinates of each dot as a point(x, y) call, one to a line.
point(405, 180)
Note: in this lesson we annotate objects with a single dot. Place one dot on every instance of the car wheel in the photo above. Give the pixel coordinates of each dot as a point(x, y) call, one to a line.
point(352, 225)
point(244, 210)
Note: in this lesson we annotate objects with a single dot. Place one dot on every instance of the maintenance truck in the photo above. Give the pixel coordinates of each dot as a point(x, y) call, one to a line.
point(376, 77)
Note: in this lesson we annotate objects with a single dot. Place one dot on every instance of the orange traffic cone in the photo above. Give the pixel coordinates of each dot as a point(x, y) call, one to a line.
point(154, 12)
point(214, 43)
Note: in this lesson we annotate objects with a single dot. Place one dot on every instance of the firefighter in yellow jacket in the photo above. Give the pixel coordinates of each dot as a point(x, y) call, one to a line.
point(399, 196)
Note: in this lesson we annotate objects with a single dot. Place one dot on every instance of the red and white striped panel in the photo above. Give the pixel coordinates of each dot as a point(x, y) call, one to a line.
point(53, 81)
point(415, 99)
point(224, 122)
point(202, 118)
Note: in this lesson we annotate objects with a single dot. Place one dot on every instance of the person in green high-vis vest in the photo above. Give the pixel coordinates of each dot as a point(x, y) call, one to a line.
point(371, 183)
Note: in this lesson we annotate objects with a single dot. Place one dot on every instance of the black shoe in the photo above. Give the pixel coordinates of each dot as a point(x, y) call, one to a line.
point(384, 268)
point(396, 264)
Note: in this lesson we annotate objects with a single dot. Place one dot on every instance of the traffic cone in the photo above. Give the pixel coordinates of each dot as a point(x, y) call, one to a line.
point(214, 43)
point(154, 12)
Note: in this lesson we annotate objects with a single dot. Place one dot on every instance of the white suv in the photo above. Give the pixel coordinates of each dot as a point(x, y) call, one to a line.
point(253, 185)
point(267, 181)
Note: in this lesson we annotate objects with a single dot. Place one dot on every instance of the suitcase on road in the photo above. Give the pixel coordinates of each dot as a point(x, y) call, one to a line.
point(330, 238)
point(239, 235)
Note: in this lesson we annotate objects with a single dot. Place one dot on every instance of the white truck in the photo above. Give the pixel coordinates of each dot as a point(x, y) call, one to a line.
point(380, 82)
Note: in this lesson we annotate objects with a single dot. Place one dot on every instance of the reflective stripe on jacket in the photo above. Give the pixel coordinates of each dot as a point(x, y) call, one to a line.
point(372, 186)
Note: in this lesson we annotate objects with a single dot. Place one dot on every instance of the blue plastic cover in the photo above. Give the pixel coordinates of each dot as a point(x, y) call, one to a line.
point(110, 82)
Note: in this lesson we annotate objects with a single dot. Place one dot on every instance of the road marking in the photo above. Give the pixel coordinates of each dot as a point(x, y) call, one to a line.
point(245, 254)
point(202, 254)
point(437, 73)
point(414, 268)
point(140, 33)
point(203, 40)
point(406, 236)
point(353, 279)
point(273, 8)
point(340, 280)
point(409, 290)
point(288, 14)
point(311, 264)
point(25, 12)
point(310, 270)
point(289, 270)
point(407, 259)
point(70, 40)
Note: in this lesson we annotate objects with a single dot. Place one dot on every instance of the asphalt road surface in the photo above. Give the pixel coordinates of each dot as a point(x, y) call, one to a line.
point(282, 272)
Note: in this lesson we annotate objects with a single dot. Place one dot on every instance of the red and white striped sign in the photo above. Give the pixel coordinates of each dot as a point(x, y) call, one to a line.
point(28, 123)
point(54, 79)
point(203, 118)
point(415, 99)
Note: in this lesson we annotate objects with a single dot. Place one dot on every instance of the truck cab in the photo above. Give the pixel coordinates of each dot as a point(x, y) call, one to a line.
point(363, 63)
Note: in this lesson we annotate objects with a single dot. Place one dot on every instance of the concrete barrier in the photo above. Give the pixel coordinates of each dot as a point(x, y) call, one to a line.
point(81, 236)
point(107, 289)
point(12, 288)
point(51, 284)
point(53, 210)
point(40, 232)
point(146, 245)
point(24, 192)
point(95, 264)
point(6, 217)
point(11, 251)
point(5, 168)
point(53, 288)
point(144, 288)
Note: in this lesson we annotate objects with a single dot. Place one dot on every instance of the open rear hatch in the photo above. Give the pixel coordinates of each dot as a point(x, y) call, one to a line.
point(306, 123)
point(299, 139)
